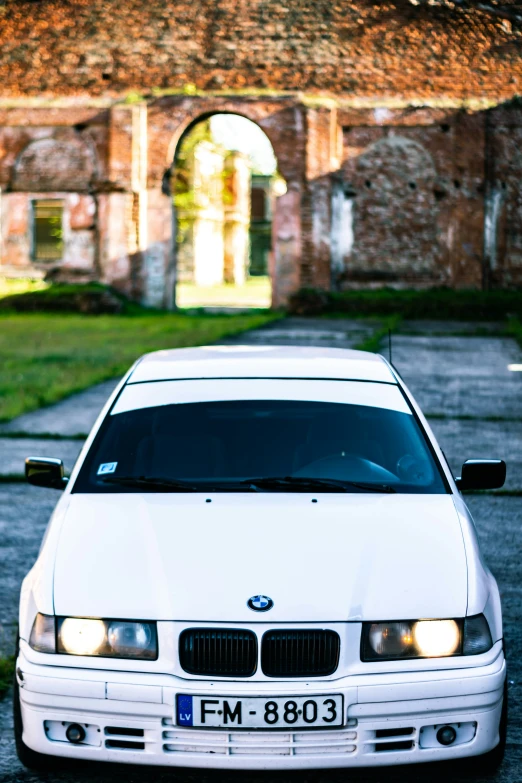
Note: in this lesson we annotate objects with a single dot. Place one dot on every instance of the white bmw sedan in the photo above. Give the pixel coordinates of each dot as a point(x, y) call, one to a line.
point(261, 560)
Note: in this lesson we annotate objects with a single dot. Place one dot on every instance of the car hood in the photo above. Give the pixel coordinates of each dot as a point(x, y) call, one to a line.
point(335, 558)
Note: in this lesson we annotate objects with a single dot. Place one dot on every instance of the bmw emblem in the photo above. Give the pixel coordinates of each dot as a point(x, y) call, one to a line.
point(260, 603)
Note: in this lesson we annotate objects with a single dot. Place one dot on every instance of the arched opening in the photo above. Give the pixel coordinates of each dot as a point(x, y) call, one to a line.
point(225, 182)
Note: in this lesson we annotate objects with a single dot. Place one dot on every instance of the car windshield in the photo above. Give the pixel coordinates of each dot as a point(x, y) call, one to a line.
point(251, 445)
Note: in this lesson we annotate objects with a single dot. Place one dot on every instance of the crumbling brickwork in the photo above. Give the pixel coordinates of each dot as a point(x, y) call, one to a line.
point(417, 192)
point(366, 48)
point(395, 125)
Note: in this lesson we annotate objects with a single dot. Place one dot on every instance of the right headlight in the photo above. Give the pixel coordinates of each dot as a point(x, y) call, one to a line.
point(425, 638)
point(88, 636)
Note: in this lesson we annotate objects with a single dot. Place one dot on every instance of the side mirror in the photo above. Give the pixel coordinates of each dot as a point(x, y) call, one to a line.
point(482, 474)
point(45, 472)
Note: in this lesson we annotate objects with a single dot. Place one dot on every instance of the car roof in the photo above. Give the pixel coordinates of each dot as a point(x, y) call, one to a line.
point(261, 361)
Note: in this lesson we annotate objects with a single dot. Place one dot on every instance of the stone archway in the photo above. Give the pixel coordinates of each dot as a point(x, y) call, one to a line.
point(225, 188)
point(283, 123)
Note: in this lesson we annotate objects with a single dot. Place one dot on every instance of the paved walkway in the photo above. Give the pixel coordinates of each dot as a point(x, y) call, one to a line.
point(73, 416)
point(456, 376)
point(452, 377)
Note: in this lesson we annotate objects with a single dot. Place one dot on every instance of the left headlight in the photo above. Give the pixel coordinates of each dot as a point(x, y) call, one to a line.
point(425, 639)
point(87, 636)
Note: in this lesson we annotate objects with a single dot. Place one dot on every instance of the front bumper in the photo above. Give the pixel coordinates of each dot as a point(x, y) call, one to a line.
point(390, 719)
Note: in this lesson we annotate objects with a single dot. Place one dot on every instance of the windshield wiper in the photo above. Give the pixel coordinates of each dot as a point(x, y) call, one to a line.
point(301, 483)
point(151, 482)
point(311, 484)
point(293, 482)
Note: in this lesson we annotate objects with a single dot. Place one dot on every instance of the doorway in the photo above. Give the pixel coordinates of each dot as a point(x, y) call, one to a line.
point(225, 185)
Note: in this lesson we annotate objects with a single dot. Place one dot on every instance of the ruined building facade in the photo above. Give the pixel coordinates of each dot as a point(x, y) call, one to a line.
point(396, 127)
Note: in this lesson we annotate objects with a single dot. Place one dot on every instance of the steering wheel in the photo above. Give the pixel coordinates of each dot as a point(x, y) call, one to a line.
point(413, 470)
point(337, 466)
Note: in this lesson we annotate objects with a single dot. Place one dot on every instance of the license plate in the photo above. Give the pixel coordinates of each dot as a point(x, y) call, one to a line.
point(259, 712)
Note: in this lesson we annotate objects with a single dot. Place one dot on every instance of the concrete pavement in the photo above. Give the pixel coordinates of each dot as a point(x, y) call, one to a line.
point(72, 416)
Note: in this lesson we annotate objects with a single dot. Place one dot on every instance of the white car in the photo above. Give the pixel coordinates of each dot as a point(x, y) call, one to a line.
point(261, 561)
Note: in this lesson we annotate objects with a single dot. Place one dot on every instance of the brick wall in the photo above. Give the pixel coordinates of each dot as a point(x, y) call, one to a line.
point(356, 47)
point(503, 195)
point(395, 125)
point(417, 186)
point(404, 197)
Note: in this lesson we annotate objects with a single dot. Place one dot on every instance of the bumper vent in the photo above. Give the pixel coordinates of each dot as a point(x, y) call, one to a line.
point(212, 651)
point(258, 743)
point(394, 739)
point(386, 746)
point(382, 733)
point(118, 738)
point(300, 653)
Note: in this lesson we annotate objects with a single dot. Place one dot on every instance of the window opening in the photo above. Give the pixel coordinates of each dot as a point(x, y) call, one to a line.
point(48, 229)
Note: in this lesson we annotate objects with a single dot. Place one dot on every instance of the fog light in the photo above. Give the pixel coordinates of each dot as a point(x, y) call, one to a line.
point(75, 733)
point(446, 735)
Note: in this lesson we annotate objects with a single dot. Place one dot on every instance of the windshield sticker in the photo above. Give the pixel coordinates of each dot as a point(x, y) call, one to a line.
point(107, 467)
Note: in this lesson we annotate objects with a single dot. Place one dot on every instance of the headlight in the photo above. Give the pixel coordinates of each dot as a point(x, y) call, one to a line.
point(77, 636)
point(436, 638)
point(390, 640)
point(107, 638)
point(104, 638)
point(425, 639)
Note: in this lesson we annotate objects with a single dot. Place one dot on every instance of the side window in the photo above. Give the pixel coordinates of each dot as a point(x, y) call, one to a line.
point(47, 242)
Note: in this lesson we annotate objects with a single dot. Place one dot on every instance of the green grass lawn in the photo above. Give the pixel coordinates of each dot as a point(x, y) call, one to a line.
point(20, 285)
point(45, 356)
point(256, 292)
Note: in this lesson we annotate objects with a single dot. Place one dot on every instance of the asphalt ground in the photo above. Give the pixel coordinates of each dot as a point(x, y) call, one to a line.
point(476, 408)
